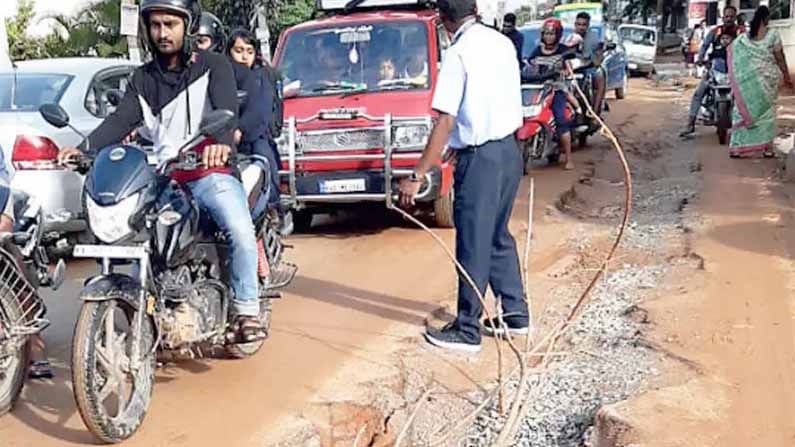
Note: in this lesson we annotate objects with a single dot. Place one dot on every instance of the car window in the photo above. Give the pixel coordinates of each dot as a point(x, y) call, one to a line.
point(378, 56)
point(26, 92)
point(96, 102)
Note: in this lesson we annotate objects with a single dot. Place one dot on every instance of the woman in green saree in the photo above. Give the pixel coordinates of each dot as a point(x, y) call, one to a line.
point(756, 67)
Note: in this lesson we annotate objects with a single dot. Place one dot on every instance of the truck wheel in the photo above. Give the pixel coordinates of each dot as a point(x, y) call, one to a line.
point(443, 210)
point(302, 220)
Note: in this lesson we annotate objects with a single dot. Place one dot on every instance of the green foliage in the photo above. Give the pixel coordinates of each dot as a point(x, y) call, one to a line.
point(280, 14)
point(94, 31)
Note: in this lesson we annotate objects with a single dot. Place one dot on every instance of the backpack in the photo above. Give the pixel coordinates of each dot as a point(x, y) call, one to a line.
point(275, 82)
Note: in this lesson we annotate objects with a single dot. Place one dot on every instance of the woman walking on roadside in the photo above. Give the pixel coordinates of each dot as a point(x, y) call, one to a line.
point(756, 68)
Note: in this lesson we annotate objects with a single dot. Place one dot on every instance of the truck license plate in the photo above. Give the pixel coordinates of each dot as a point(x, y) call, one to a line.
point(342, 186)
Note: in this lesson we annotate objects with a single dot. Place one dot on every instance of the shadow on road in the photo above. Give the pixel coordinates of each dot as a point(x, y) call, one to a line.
point(374, 303)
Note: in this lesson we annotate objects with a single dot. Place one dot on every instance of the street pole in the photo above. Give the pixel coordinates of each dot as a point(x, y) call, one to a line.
point(262, 32)
point(5, 55)
point(129, 28)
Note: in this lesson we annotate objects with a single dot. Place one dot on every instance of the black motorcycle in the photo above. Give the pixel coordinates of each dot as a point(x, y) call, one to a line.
point(717, 104)
point(23, 270)
point(173, 299)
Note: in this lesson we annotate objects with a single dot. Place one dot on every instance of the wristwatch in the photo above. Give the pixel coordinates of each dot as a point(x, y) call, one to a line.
point(414, 177)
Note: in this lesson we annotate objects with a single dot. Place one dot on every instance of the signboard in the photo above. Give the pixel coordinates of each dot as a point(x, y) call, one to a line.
point(568, 13)
point(129, 20)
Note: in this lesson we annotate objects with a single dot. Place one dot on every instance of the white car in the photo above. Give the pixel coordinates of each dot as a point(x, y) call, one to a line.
point(30, 144)
point(640, 42)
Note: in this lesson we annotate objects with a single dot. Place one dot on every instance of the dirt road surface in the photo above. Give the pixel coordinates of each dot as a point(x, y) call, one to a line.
point(367, 283)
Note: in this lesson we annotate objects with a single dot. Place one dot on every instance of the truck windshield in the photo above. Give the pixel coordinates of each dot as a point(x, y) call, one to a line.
point(358, 58)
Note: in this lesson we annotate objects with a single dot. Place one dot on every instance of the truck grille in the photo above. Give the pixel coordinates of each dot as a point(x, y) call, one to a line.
point(342, 140)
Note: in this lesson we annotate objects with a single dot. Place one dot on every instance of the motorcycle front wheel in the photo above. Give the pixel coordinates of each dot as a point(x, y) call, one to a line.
point(723, 121)
point(14, 366)
point(112, 396)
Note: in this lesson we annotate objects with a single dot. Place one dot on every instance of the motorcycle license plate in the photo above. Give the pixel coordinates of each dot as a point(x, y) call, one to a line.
point(108, 251)
point(342, 186)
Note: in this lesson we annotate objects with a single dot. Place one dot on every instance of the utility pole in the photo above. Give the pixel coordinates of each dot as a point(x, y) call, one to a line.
point(129, 28)
point(259, 22)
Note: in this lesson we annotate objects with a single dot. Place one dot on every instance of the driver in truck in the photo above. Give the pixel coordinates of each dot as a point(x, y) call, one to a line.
point(167, 98)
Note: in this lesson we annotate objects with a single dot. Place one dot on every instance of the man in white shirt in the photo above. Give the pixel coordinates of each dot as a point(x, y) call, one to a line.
point(478, 97)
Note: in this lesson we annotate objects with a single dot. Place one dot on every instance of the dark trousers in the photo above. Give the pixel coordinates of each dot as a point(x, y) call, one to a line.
point(264, 148)
point(486, 180)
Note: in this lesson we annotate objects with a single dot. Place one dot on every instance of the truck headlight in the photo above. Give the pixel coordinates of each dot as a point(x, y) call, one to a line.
point(281, 144)
point(411, 137)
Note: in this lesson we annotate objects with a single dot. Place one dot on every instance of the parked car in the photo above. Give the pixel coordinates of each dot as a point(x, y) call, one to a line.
point(640, 43)
point(614, 62)
point(358, 86)
point(30, 145)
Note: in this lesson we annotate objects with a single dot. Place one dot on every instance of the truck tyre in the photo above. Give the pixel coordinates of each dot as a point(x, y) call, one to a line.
point(443, 210)
point(302, 220)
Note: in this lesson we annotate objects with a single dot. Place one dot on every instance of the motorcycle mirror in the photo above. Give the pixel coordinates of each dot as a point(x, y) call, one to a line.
point(114, 96)
point(610, 46)
point(216, 123)
point(54, 114)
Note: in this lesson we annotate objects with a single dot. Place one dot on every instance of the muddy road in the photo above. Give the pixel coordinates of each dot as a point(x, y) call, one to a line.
point(369, 282)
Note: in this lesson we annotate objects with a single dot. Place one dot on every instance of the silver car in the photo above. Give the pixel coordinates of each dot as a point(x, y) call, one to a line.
point(30, 145)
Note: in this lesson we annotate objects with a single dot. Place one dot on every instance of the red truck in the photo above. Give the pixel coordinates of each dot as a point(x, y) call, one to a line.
point(358, 85)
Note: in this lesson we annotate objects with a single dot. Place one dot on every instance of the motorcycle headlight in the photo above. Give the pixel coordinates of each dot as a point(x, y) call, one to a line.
point(720, 78)
point(533, 110)
point(411, 137)
point(111, 223)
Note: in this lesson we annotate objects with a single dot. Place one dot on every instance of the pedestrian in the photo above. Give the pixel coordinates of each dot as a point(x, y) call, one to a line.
point(479, 106)
point(756, 67)
point(693, 45)
point(509, 29)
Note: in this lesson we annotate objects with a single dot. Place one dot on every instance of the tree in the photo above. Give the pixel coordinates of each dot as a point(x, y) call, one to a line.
point(280, 14)
point(94, 31)
point(20, 45)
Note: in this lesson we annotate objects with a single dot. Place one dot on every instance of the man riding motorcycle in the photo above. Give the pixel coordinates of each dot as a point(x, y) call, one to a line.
point(591, 51)
point(166, 100)
point(717, 55)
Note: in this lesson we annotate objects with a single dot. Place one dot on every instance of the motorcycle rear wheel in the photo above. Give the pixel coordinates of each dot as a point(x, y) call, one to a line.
point(723, 122)
point(13, 368)
point(112, 399)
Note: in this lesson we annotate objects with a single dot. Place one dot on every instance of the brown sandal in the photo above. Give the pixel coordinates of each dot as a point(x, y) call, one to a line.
point(249, 329)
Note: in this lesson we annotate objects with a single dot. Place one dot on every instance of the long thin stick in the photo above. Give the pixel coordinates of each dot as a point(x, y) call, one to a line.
point(413, 415)
point(518, 409)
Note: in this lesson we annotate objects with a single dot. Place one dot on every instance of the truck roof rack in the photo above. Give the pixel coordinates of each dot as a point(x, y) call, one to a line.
point(349, 6)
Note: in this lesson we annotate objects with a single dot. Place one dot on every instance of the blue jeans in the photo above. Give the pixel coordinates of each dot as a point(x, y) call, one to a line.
point(266, 148)
point(223, 197)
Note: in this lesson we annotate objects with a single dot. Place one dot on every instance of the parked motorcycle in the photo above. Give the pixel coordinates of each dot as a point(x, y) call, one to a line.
point(23, 270)
point(174, 297)
point(717, 104)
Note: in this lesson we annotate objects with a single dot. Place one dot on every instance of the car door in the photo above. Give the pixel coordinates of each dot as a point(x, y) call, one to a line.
point(615, 64)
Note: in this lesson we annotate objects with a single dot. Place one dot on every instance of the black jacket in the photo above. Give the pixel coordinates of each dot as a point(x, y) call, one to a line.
point(167, 106)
